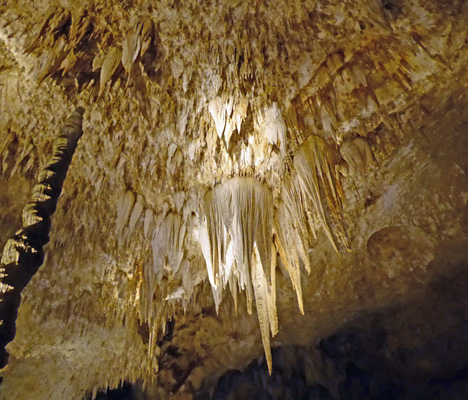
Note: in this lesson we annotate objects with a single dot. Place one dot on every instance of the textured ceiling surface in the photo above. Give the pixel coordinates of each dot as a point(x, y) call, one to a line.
point(260, 172)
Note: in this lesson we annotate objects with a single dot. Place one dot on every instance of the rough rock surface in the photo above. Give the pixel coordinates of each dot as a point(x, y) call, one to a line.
point(251, 174)
point(413, 350)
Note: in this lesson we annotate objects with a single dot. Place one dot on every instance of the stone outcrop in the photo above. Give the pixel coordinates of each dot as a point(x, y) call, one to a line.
point(24, 252)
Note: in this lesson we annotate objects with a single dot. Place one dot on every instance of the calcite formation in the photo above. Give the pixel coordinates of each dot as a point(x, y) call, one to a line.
point(252, 174)
point(23, 253)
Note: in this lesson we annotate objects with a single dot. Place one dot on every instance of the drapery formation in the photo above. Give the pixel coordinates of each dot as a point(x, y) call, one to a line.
point(23, 253)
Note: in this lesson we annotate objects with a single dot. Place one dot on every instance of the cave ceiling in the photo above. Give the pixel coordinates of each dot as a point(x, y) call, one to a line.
point(251, 174)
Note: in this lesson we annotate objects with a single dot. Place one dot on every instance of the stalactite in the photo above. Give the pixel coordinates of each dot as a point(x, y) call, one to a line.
point(124, 210)
point(237, 233)
point(311, 197)
point(236, 241)
point(272, 125)
point(23, 253)
point(291, 242)
point(358, 154)
point(167, 245)
point(316, 180)
point(110, 64)
point(228, 113)
point(137, 42)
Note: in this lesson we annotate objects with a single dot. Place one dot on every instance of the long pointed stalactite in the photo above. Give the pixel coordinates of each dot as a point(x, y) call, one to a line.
point(24, 252)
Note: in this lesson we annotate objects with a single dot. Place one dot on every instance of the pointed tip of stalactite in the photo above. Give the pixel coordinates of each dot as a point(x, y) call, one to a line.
point(269, 362)
point(301, 307)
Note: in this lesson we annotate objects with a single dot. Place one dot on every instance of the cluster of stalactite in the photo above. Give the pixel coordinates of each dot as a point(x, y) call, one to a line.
point(24, 252)
point(79, 51)
point(240, 241)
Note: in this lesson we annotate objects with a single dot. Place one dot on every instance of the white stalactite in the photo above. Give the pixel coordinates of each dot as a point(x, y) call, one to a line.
point(236, 240)
point(228, 113)
point(272, 125)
